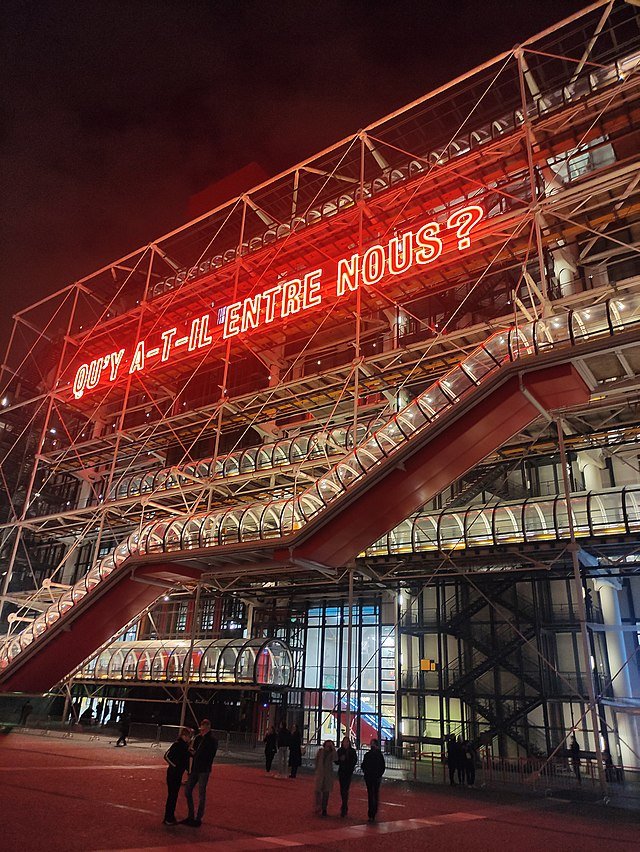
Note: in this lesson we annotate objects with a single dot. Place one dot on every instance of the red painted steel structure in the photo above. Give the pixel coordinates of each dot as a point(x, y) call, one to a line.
point(92, 622)
point(385, 497)
point(400, 490)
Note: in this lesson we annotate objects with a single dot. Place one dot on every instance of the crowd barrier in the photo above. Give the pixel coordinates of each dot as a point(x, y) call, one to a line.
point(538, 774)
point(532, 774)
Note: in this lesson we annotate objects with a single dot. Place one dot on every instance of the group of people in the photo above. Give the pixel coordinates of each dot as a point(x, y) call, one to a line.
point(286, 746)
point(461, 761)
point(346, 757)
point(195, 757)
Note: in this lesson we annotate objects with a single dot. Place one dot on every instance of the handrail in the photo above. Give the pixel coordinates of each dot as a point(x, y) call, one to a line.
point(277, 519)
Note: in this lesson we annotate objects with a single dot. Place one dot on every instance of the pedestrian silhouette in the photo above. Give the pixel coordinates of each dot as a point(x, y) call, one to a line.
point(284, 740)
point(452, 759)
point(25, 712)
point(270, 748)
point(373, 767)
point(295, 751)
point(177, 756)
point(324, 776)
point(574, 750)
point(203, 752)
point(347, 761)
point(469, 758)
point(125, 724)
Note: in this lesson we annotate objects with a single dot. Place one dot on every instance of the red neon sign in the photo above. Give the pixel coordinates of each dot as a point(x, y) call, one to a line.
point(412, 249)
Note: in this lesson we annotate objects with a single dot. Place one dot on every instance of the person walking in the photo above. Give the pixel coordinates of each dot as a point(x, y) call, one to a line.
point(324, 776)
point(270, 748)
point(373, 767)
point(177, 756)
point(284, 739)
point(347, 761)
point(574, 751)
point(203, 752)
point(295, 751)
point(125, 725)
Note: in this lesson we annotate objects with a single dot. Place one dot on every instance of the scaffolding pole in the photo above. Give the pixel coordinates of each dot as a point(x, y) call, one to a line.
point(189, 660)
point(582, 611)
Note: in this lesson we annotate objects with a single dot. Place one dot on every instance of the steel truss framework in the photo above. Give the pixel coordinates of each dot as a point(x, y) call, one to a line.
point(543, 140)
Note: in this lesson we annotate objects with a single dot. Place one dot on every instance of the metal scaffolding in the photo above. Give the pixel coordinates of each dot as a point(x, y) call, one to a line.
point(236, 361)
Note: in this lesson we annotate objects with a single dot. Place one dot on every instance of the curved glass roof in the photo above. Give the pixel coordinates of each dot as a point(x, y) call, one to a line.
point(265, 522)
point(612, 511)
point(246, 662)
point(318, 445)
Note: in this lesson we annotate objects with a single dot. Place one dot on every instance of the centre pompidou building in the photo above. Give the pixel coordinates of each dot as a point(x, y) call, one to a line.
point(358, 447)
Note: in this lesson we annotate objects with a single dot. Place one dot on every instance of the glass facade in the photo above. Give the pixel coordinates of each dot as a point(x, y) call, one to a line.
point(361, 700)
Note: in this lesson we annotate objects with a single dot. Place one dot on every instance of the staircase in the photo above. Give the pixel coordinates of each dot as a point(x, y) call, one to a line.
point(495, 645)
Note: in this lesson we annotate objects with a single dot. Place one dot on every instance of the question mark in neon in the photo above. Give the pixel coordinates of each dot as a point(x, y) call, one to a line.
point(463, 221)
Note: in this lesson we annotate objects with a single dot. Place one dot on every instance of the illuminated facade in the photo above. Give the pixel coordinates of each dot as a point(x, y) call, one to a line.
point(326, 420)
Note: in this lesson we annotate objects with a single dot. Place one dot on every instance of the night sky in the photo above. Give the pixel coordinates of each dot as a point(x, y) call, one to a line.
point(115, 111)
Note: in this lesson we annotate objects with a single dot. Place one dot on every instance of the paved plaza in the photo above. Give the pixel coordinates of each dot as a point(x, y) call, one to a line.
point(74, 794)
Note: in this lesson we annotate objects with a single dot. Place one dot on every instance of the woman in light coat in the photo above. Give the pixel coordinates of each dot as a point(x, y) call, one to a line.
point(324, 776)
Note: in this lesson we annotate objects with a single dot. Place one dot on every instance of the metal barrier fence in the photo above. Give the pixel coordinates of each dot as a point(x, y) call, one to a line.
point(139, 732)
point(557, 773)
point(535, 774)
point(538, 775)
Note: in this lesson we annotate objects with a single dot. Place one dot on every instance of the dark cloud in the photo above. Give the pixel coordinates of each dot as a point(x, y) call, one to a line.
point(113, 113)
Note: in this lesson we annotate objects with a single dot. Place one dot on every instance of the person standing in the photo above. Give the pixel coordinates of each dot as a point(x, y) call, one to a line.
point(452, 759)
point(177, 756)
point(373, 767)
point(284, 739)
point(608, 765)
point(203, 752)
point(270, 748)
point(25, 712)
point(469, 757)
point(574, 751)
point(295, 751)
point(347, 761)
point(460, 761)
point(324, 776)
point(125, 725)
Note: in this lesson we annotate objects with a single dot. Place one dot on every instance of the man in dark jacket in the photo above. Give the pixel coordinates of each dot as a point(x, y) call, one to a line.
point(177, 756)
point(125, 724)
point(347, 760)
point(373, 767)
point(295, 750)
point(203, 752)
point(574, 751)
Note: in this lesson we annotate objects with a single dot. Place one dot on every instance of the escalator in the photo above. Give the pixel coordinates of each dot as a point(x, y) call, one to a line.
point(498, 390)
